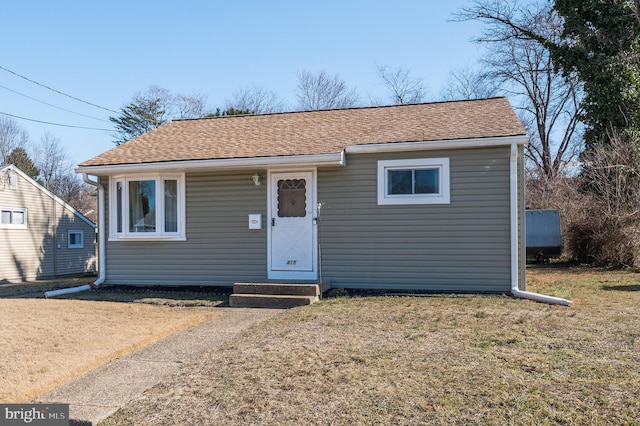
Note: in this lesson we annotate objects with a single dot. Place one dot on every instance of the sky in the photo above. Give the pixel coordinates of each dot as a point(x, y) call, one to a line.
point(104, 52)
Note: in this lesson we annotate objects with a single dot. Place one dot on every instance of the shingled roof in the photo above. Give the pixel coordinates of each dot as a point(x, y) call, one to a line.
point(314, 132)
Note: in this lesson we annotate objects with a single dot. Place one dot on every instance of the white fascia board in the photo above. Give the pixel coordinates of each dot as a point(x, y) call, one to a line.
point(439, 144)
point(316, 160)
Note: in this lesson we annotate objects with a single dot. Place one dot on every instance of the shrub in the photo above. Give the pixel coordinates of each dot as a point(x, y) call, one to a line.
point(601, 207)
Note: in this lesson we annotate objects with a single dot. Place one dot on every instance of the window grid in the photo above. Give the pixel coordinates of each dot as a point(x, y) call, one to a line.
point(11, 217)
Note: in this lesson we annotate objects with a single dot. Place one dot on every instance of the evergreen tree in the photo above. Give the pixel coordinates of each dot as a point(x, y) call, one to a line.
point(601, 43)
point(146, 112)
point(19, 158)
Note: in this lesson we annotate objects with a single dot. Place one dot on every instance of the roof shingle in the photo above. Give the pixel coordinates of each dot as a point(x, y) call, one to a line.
point(314, 132)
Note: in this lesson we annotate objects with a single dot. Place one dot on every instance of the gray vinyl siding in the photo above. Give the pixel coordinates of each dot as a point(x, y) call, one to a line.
point(463, 246)
point(219, 250)
point(33, 253)
point(74, 260)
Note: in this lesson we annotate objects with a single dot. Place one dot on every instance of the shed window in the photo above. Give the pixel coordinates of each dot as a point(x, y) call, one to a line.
point(13, 218)
point(147, 207)
point(416, 181)
point(75, 239)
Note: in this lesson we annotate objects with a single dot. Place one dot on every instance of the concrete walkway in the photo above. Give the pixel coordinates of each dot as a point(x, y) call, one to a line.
point(99, 393)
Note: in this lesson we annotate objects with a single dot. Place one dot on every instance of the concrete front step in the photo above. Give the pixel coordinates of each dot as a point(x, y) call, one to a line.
point(275, 295)
point(277, 288)
point(274, 301)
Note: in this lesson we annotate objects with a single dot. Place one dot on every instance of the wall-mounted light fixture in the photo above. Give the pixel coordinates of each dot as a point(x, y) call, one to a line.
point(256, 179)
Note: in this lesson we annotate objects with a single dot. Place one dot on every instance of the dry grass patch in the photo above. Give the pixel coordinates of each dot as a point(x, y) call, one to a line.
point(39, 287)
point(423, 360)
point(46, 342)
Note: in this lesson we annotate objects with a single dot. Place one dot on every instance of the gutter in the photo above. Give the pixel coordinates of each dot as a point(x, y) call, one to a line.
point(102, 273)
point(436, 144)
point(300, 161)
point(515, 290)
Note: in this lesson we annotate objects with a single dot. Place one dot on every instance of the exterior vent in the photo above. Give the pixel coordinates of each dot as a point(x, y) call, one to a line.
point(13, 181)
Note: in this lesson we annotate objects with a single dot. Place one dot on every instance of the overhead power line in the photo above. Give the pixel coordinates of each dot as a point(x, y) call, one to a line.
point(56, 91)
point(53, 124)
point(54, 106)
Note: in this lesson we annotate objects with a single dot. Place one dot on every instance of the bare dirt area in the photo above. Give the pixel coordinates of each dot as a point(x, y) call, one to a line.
point(423, 360)
point(47, 342)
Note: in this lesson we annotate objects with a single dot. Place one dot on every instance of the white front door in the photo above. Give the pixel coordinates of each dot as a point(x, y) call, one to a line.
point(292, 230)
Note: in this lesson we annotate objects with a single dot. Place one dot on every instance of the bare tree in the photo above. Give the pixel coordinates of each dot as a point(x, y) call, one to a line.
point(548, 101)
point(56, 175)
point(78, 194)
point(322, 91)
point(164, 98)
point(12, 136)
point(85, 200)
point(256, 100)
point(52, 160)
point(191, 106)
point(402, 88)
point(469, 83)
point(612, 169)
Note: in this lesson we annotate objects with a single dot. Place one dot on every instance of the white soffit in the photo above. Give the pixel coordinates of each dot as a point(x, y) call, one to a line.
point(337, 159)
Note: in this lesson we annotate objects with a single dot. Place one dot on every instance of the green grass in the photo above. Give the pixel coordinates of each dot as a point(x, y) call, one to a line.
point(424, 360)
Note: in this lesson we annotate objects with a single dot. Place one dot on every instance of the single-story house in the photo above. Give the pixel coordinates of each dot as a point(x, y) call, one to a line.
point(407, 197)
point(41, 236)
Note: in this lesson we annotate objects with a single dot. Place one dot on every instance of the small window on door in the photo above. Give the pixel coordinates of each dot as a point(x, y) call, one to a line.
point(292, 198)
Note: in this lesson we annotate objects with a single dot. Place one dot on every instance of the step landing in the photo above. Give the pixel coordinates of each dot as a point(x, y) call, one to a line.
point(274, 295)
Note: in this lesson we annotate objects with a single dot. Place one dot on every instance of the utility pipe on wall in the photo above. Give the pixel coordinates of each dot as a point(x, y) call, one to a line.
point(102, 273)
point(515, 290)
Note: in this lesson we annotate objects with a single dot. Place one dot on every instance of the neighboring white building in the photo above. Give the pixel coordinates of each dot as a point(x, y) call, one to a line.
point(41, 236)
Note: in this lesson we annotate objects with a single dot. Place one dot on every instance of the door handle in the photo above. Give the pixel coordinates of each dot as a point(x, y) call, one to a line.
point(273, 221)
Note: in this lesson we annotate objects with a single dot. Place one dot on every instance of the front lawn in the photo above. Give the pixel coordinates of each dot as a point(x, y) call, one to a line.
point(424, 360)
point(47, 342)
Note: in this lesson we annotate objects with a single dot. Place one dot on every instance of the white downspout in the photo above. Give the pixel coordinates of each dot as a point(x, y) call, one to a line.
point(515, 290)
point(102, 256)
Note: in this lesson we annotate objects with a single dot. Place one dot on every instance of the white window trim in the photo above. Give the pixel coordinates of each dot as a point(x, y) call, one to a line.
point(160, 234)
point(442, 197)
point(22, 210)
point(76, 245)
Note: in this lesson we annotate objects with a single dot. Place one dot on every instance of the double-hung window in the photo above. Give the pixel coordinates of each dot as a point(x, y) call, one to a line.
point(13, 218)
point(415, 181)
point(147, 207)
